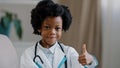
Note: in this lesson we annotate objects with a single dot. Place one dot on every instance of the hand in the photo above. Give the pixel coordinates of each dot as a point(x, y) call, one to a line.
point(85, 58)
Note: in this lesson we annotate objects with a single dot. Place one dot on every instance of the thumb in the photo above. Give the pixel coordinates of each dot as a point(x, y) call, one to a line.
point(84, 49)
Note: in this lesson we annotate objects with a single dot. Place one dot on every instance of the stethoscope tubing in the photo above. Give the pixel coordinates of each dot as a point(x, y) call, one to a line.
point(37, 56)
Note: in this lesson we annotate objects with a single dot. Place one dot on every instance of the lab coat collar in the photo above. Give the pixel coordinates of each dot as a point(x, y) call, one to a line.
point(52, 49)
point(46, 63)
point(59, 56)
point(48, 50)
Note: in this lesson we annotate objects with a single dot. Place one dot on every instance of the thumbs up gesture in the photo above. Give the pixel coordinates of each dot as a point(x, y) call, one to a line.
point(85, 58)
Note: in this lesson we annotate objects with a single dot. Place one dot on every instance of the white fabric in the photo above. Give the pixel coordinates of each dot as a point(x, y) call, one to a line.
point(49, 53)
point(8, 56)
point(71, 54)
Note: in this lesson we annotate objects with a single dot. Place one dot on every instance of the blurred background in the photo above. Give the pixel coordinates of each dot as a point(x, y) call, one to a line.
point(95, 22)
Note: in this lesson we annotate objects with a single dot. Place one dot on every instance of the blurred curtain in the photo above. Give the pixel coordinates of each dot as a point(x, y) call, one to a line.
point(85, 27)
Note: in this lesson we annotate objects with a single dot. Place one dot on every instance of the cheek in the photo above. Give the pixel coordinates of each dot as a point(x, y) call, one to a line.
point(59, 35)
point(43, 33)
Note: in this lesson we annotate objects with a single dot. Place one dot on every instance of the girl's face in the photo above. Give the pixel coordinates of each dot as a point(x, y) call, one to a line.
point(51, 31)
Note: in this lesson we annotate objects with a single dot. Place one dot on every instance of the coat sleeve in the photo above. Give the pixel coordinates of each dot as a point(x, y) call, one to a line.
point(73, 55)
point(94, 63)
point(27, 60)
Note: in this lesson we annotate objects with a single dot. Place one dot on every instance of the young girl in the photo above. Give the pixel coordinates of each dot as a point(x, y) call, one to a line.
point(48, 20)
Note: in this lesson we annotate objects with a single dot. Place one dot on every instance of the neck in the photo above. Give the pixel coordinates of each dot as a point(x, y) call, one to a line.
point(45, 44)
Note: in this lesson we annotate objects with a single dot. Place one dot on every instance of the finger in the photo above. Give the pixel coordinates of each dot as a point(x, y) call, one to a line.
point(84, 49)
point(83, 62)
point(82, 55)
point(82, 58)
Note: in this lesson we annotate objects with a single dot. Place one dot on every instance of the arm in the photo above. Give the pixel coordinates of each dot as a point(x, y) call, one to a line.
point(73, 56)
point(93, 64)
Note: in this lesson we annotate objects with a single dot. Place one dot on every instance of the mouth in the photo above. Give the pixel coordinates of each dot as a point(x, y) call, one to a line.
point(51, 37)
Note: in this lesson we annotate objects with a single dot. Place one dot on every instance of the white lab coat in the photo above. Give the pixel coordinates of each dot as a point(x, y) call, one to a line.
point(71, 54)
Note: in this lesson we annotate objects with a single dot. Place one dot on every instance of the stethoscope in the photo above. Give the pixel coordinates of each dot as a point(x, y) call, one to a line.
point(37, 56)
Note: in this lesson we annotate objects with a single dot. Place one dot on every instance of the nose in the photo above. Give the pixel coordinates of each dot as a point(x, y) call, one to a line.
point(52, 31)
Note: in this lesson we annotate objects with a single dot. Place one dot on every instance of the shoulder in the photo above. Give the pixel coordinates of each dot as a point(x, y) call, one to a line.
point(28, 52)
point(29, 49)
point(70, 52)
point(69, 49)
point(27, 57)
point(67, 46)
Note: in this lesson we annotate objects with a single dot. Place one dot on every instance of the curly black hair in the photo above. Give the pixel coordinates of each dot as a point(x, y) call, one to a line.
point(47, 8)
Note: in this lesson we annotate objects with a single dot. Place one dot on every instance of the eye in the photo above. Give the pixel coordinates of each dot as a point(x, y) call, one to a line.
point(58, 28)
point(46, 27)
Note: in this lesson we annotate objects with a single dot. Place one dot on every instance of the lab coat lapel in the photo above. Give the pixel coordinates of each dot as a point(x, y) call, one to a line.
point(58, 57)
point(44, 58)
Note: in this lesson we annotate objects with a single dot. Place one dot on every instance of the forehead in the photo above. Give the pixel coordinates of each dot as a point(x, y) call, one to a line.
point(53, 20)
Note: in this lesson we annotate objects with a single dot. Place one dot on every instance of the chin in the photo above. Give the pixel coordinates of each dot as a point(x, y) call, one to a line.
point(52, 43)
